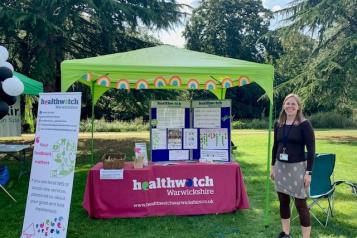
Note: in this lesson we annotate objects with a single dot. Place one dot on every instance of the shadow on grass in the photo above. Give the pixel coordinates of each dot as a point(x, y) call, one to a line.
point(351, 143)
point(346, 195)
point(343, 140)
point(336, 225)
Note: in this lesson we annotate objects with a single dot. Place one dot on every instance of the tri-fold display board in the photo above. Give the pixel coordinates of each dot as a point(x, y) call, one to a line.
point(190, 131)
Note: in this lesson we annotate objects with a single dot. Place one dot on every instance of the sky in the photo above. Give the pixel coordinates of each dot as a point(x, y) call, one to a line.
point(174, 36)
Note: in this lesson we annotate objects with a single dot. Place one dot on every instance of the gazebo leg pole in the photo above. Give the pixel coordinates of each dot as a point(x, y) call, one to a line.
point(267, 182)
point(92, 125)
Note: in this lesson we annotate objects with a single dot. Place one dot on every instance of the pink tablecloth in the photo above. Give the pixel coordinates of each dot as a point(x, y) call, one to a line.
point(159, 190)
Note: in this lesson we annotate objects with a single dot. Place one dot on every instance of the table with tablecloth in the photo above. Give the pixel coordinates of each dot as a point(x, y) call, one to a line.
point(182, 188)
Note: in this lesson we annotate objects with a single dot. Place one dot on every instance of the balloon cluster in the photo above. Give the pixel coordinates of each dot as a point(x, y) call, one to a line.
point(10, 85)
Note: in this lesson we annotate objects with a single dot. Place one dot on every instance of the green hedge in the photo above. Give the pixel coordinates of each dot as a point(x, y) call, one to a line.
point(114, 126)
point(331, 120)
point(318, 120)
point(250, 124)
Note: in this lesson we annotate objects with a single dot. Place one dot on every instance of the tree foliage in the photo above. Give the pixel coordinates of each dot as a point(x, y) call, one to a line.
point(231, 28)
point(327, 81)
point(42, 33)
point(289, 55)
point(228, 28)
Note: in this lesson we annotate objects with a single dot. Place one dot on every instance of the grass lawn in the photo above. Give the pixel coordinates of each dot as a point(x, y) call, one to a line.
point(252, 147)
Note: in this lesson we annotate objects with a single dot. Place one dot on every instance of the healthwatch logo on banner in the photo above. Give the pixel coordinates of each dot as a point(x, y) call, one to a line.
point(56, 101)
point(173, 183)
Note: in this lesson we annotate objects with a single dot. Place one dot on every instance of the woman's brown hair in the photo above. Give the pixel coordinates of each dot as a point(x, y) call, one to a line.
point(299, 115)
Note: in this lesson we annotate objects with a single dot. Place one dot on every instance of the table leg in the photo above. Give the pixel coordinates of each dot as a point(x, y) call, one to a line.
point(22, 165)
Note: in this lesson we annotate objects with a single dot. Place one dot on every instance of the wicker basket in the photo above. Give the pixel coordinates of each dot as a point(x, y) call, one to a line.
point(113, 160)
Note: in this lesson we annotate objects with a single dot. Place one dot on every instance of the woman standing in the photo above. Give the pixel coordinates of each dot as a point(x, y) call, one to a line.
point(291, 168)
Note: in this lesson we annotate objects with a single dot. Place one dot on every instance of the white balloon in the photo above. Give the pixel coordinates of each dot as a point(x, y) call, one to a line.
point(4, 54)
point(8, 65)
point(13, 86)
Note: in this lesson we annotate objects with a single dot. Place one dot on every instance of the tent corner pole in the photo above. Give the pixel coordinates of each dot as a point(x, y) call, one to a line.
point(92, 126)
point(267, 182)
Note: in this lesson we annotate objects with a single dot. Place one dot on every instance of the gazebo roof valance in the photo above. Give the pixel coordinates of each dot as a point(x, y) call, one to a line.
point(165, 67)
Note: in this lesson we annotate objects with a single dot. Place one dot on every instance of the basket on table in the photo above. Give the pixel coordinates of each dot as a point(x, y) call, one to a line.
point(113, 160)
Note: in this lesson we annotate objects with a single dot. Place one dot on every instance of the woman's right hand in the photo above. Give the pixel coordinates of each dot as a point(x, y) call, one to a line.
point(272, 173)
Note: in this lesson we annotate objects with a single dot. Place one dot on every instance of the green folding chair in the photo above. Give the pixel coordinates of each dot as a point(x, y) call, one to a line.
point(322, 186)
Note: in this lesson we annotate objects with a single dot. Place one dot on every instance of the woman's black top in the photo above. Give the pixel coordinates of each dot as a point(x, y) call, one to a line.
point(297, 138)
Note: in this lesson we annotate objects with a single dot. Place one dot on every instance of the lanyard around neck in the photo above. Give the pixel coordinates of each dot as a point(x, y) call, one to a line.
point(285, 136)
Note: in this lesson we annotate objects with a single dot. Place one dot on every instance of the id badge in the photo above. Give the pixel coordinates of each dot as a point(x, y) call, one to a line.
point(284, 157)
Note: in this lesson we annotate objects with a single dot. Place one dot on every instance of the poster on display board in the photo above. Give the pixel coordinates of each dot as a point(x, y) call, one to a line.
point(168, 120)
point(53, 164)
point(190, 131)
point(212, 119)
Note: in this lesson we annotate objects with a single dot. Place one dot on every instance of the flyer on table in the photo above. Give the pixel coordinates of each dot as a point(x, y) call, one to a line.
point(53, 164)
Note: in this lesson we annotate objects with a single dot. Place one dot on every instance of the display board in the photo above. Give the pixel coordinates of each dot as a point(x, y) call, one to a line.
point(168, 120)
point(190, 131)
point(212, 120)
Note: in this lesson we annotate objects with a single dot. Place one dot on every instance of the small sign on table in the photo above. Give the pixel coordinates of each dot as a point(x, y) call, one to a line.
point(111, 174)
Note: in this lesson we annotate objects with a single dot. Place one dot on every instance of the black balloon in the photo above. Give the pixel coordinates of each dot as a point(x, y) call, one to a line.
point(10, 100)
point(5, 73)
point(4, 109)
point(2, 93)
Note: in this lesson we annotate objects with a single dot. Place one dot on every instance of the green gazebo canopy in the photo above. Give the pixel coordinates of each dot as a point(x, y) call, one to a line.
point(165, 67)
point(31, 86)
point(168, 67)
